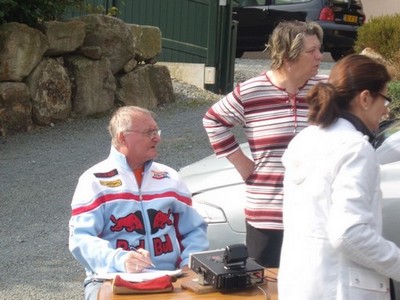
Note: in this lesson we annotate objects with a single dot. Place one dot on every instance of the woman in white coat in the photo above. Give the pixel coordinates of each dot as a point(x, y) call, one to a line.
point(332, 246)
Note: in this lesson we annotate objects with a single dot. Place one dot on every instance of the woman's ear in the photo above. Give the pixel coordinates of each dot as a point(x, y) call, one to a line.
point(364, 99)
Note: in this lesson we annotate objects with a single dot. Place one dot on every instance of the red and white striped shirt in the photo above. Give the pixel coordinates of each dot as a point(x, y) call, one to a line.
point(270, 119)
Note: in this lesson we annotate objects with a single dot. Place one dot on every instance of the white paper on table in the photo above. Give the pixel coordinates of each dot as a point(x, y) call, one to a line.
point(147, 274)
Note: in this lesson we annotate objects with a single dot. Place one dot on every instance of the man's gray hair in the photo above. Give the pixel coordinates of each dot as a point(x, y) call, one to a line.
point(122, 118)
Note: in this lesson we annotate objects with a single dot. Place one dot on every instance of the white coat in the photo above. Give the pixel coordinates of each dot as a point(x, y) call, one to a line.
point(332, 247)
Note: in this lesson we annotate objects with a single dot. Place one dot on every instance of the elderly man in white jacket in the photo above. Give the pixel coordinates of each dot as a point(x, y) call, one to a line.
point(333, 247)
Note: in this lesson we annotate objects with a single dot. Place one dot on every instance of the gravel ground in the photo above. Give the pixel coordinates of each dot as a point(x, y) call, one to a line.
point(39, 172)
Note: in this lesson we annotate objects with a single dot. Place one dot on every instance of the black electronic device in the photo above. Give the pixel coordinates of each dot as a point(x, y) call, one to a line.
point(235, 256)
point(227, 269)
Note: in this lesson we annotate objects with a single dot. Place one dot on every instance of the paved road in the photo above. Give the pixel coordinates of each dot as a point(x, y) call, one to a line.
point(38, 175)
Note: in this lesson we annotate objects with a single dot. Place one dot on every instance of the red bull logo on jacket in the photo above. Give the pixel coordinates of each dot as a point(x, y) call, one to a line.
point(131, 222)
point(162, 246)
point(159, 219)
point(124, 244)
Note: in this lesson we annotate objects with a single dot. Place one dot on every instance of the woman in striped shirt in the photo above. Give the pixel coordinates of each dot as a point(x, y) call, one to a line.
point(271, 108)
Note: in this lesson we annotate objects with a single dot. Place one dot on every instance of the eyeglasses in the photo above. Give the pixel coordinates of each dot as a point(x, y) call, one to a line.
point(388, 100)
point(151, 133)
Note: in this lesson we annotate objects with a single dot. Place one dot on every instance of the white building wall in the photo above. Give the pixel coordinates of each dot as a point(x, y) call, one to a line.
point(375, 8)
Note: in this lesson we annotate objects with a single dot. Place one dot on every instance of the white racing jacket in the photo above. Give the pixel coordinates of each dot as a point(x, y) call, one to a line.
point(332, 247)
point(112, 215)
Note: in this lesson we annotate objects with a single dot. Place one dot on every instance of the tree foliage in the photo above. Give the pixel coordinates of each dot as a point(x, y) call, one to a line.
point(32, 12)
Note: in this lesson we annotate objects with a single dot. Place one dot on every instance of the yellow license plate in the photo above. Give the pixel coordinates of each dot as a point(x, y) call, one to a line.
point(350, 19)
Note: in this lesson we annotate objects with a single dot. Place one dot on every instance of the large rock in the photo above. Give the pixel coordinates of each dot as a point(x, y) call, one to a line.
point(148, 86)
point(95, 50)
point(93, 85)
point(63, 37)
point(50, 89)
point(112, 36)
point(21, 49)
point(16, 107)
point(146, 40)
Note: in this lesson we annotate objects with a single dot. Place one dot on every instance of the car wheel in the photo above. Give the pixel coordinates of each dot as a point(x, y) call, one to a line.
point(340, 53)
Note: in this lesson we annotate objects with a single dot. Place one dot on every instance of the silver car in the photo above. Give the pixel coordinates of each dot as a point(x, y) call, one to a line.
point(219, 192)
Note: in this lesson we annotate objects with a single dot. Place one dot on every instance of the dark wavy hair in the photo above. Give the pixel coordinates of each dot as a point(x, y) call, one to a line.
point(350, 76)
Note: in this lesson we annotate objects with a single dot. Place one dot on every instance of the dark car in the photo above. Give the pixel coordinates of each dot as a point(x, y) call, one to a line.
point(339, 19)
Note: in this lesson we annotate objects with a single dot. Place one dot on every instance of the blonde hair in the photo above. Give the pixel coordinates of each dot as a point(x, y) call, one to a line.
point(287, 40)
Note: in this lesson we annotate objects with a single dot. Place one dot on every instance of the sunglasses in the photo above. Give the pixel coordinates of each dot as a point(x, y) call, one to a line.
point(388, 100)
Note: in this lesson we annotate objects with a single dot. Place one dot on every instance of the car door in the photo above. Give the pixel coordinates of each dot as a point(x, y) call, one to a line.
point(253, 25)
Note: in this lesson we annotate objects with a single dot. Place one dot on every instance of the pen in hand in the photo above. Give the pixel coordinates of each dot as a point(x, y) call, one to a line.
point(136, 250)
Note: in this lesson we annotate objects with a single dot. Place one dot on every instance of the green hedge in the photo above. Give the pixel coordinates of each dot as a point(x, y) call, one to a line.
point(394, 93)
point(32, 12)
point(382, 34)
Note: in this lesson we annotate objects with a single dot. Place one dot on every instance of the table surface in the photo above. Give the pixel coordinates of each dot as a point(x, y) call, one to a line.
point(257, 293)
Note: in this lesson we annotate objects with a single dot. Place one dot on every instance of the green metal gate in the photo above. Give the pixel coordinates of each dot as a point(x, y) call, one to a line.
point(193, 31)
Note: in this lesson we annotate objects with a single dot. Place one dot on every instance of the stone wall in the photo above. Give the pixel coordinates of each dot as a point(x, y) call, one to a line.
point(82, 67)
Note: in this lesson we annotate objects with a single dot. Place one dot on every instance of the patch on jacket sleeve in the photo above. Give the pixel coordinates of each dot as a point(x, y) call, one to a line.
point(113, 183)
point(106, 174)
point(160, 175)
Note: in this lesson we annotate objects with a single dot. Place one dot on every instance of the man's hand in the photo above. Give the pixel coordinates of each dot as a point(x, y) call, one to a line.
point(137, 260)
point(185, 269)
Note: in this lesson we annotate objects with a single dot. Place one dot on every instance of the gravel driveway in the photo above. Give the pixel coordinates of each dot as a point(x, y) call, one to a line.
point(39, 172)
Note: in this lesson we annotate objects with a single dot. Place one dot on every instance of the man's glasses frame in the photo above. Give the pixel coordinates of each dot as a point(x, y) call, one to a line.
point(151, 133)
